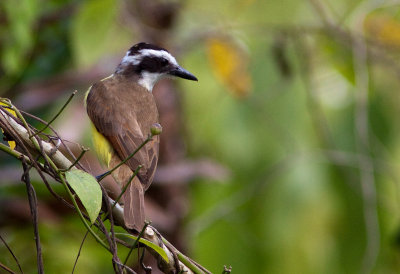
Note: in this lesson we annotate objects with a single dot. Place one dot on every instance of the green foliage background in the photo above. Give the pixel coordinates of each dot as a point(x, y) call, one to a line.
point(297, 199)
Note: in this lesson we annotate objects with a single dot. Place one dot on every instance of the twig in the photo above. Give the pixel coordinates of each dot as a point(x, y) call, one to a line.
point(146, 224)
point(6, 268)
point(122, 192)
point(126, 159)
point(130, 270)
point(83, 151)
point(147, 269)
point(127, 185)
point(34, 212)
point(58, 113)
point(39, 145)
point(12, 253)
point(112, 241)
point(192, 265)
point(56, 134)
point(13, 152)
point(21, 136)
point(79, 251)
point(58, 156)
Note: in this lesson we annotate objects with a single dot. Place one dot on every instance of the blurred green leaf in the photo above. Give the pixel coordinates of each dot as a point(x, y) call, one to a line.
point(88, 191)
point(339, 55)
point(90, 28)
point(19, 34)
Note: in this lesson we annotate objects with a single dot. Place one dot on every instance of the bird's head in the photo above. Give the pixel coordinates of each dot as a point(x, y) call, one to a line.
point(149, 63)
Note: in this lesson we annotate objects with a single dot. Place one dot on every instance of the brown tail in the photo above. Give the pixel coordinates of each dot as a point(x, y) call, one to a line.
point(134, 205)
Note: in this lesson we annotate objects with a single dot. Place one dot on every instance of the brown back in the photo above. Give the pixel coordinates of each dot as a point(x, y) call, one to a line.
point(123, 112)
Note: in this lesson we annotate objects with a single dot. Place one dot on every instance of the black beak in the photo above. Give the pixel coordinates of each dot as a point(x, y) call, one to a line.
point(182, 73)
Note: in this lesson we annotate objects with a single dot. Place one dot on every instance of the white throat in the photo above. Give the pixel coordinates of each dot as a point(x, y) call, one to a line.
point(148, 80)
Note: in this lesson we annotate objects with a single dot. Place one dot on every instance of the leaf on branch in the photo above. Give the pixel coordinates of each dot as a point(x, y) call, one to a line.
point(229, 62)
point(88, 191)
point(155, 247)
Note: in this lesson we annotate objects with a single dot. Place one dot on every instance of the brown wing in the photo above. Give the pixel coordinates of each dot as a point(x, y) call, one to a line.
point(115, 117)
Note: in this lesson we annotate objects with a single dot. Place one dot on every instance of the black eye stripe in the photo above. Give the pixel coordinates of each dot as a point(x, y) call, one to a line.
point(164, 61)
point(153, 64)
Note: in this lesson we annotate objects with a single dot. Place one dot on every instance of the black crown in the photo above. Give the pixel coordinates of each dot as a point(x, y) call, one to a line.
point(140, 46)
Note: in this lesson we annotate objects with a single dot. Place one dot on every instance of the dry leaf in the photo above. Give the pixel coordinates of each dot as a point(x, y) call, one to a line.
point(11, 144)
point(383, 28)
point(230, 65)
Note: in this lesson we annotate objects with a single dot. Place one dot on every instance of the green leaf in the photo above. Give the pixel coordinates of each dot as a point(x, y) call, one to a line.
point(88, 191)
point(20, 33)
point(340, 56)
point(155, 247)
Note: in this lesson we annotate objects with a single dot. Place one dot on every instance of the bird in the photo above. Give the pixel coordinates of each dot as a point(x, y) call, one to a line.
point(122, 111)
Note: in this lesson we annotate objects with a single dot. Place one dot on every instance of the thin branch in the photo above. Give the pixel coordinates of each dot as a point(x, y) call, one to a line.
point(127, 185)
point(6, 268)
point(111, 239)
point(21, 136)
point(56, 135)
point(12, 254)
point(79, 251)
point(58, 113)
point(191, 264)
point(34, 212)
point(126, 159)
point(147, 269)
point(146, 224)
point(83, 151)
point(115, 203)
point(13, 152)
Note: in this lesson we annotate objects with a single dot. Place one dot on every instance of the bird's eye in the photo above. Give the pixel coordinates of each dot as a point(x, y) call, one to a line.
point(164, 62)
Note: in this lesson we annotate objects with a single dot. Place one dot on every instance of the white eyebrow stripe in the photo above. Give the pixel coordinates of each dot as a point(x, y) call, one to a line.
point(159, 53)
point(136, 59)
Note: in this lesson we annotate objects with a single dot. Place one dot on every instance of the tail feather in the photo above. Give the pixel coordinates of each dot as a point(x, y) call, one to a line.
point(134, 205)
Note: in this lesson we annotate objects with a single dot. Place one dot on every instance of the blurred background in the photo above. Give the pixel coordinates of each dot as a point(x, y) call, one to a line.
point(283, 158)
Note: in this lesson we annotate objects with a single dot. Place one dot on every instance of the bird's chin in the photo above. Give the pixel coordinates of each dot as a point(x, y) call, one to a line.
point(148, 80)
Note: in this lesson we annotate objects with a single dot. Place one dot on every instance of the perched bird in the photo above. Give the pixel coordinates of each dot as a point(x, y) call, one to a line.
point(122, 110)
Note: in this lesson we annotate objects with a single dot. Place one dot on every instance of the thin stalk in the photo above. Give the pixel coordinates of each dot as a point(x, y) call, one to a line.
point(58, 113)
point(14, 153)
point(126, 159)
point(127, 185)
point(136, 241)
point(123, 190)
point(84, 150)
point(12, 254)
point(192, 265)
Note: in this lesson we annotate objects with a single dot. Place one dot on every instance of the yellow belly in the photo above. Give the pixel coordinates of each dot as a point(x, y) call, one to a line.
point(100, 143)
point(101, 146)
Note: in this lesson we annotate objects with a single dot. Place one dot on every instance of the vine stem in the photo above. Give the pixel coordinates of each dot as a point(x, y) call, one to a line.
point(58, 113)
point(126, 159)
